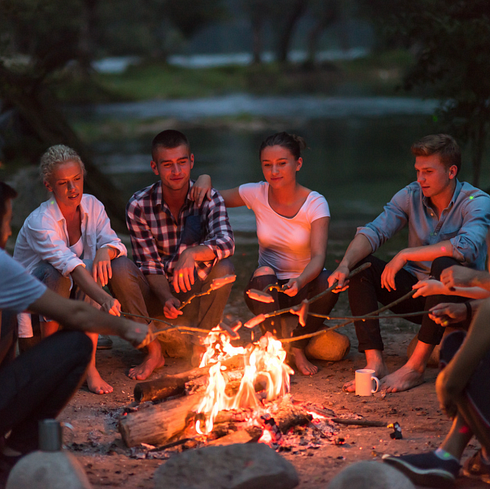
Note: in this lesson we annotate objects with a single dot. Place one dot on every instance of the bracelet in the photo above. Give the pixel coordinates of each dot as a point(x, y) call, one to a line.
point(469, 310)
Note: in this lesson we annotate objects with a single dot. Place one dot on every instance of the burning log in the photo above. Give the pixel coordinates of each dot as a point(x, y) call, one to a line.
point(156, 425)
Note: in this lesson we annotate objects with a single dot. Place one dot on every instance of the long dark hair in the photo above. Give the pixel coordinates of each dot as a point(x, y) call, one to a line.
point(6, 193)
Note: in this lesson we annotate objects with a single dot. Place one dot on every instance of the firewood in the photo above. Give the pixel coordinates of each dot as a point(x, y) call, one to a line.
point(157, 389)
point(157, 425)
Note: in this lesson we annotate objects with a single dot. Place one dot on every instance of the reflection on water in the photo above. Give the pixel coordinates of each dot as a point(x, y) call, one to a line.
point(356, 163)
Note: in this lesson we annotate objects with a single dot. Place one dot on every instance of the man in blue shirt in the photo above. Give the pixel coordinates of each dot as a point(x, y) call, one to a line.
point(447, 223)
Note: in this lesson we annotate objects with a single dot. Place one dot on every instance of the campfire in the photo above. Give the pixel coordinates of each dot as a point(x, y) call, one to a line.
point(237, 394)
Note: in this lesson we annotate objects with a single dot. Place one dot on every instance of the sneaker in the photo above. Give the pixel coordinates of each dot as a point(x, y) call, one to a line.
point(475, 468)
point(426, 469)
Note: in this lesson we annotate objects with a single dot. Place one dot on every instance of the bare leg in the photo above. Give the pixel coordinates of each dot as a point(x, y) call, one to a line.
point(48, 328)
point(374, 361)
point(457, 438)
point(412, 373)
point(153, 360)
point(95, 382)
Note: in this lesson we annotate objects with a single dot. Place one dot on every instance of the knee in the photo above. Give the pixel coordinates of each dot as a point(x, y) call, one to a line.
point(440, 264)
point(261, 271)
point(52, 278)
point(224, 267)
point(74, 343)
point(121, 266)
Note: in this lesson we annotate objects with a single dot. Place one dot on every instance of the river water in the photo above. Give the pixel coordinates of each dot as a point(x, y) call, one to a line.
point(358, 155)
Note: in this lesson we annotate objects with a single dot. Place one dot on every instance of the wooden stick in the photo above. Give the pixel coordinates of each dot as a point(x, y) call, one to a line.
point(370, 315)
point(355, 318)
point(359, 422)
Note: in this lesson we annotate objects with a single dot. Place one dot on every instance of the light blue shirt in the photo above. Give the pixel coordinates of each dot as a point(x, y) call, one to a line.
point(464, 223)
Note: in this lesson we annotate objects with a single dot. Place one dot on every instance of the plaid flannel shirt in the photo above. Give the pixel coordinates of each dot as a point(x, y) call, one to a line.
point(158, 241)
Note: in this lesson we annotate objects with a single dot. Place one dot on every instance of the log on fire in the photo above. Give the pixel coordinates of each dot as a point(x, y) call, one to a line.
point(158, 424)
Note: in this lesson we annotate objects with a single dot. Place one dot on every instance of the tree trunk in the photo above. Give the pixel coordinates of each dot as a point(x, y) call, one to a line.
point(257, 25)
point(40, 110)
point(478, 147)
point(284, 43)
point(329, 15)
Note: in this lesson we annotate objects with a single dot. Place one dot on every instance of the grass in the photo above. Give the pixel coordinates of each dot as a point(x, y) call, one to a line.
point(373, 75)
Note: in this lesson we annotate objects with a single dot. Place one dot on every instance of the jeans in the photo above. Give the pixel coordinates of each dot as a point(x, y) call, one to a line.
point(133, 291)
point(365, 291)
point(39, 383)
point(281, 301)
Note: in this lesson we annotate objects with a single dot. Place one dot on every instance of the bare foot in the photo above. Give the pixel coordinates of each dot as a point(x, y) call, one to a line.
point(146, 368)
point(96, 383)
point(304, 366)
point(403, 379)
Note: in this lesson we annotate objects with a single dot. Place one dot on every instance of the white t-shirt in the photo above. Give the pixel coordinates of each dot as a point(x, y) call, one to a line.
point(18, 288)
point(284, 242)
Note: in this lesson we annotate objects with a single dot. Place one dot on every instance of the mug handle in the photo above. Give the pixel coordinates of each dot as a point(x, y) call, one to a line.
point(377, 384)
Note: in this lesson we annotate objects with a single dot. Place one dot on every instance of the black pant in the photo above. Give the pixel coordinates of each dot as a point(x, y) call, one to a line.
point(281, 301)
point(365, 292)
point(39, 383)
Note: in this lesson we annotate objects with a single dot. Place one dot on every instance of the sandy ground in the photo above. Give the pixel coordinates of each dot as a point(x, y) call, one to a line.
point(108, 463)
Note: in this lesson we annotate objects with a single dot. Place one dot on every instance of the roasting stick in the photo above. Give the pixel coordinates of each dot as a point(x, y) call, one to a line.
point(368, 316)
point(300, 307)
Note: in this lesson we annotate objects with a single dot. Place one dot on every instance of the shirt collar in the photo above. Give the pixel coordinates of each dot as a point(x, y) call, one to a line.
point(158, 195)
point(457, 190)
point(56, 211)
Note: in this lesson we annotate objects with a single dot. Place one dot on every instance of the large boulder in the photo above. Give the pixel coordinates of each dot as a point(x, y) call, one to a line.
point(329, 346)
point(368, 475)
point(239, 466)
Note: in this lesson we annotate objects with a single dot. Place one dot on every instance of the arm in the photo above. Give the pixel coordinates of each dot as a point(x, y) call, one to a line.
point(203, 188)
point(418, 253)
point(102, 270)
point(452, 381)
point(319, 239)
point(453, 312)
point(358, 249)
point(79, 315)
point(84, 280)
point(161, 288)
point(458, 276)
point(434, 287)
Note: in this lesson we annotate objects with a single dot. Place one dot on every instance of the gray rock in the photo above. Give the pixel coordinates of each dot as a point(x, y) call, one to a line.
point(369, 475)
point(239, 466)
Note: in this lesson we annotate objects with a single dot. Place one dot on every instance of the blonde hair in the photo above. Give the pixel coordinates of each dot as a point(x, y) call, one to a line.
point(56, 155)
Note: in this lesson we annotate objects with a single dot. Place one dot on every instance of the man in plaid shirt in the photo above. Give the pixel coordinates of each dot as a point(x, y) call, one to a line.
point(179, 246)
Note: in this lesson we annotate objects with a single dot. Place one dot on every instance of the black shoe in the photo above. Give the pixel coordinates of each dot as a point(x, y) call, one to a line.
point(426, 469)
point(104, 343)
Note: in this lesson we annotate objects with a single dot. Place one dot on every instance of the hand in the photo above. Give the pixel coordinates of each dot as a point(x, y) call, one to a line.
point(458, 276)
point(201, 189)
point(102, 270)
point(446, 395)
point(292, 287)
point(339, 275)
point(448, 313)
point(184, 272)
point(390, 271)
point(112, 306)
point(171, 308)
point(428, 287)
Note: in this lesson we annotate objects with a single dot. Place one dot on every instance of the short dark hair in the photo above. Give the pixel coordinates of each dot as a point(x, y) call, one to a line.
point(6, 193)
point(443, 145)
point(295, 144)
point(168, 139)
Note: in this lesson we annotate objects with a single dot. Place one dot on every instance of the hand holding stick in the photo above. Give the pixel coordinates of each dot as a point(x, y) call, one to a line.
point(217, 283)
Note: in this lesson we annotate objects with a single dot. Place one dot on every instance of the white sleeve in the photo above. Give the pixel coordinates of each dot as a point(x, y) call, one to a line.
point(318, 207)
point(248, 192)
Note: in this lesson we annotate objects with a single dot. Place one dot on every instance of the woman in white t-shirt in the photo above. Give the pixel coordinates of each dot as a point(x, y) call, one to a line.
point(292, 230)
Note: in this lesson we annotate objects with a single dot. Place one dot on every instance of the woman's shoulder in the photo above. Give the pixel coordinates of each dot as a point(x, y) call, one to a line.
point(316, 205)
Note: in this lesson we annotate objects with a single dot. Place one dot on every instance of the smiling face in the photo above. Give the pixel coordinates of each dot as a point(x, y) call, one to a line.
point(434, 178)
point(173, 166)
point(66, 183)
point(279, 166)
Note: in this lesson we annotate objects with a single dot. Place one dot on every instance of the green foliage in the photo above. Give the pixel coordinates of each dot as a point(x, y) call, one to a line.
point(451, 41)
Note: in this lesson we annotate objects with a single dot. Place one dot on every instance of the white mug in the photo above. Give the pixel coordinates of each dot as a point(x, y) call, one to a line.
point(365, 379)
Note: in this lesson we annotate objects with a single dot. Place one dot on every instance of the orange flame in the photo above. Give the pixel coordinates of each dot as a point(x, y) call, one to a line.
point(263, 365)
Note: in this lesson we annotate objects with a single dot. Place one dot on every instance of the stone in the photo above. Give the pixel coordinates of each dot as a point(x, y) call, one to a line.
point(368, 475)
point(48, 470)
point(239, 466)
point(330, 346)
point(175, 344)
